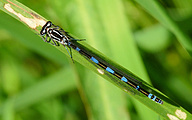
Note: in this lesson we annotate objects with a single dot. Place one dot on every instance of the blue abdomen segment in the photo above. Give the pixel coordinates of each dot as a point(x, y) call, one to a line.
point(137, 87)
point(152, 97)
point(94, 60)
point(160, 101)
point(110, 70)
point(78, 49)
point(124, 79)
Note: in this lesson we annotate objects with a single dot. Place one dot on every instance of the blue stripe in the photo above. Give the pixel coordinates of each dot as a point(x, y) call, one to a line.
point(110, 70)
point(154, 98)
point(69, 43)
point(149, 96)
point(124, 79)
point(78, 49)
point(161, 102)
point(137, 87)
point(94, 60)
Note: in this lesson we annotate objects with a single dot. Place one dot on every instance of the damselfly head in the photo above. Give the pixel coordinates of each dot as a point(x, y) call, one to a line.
point(48, 24)
point(44, 28)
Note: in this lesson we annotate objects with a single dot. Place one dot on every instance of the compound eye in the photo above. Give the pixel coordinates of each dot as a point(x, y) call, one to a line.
point(49, 23)
point(43, 32)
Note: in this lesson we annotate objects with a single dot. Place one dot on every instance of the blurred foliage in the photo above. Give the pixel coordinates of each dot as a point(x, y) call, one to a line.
point(29, 68)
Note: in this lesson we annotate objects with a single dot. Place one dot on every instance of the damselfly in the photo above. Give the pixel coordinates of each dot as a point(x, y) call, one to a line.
point(58, 35)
